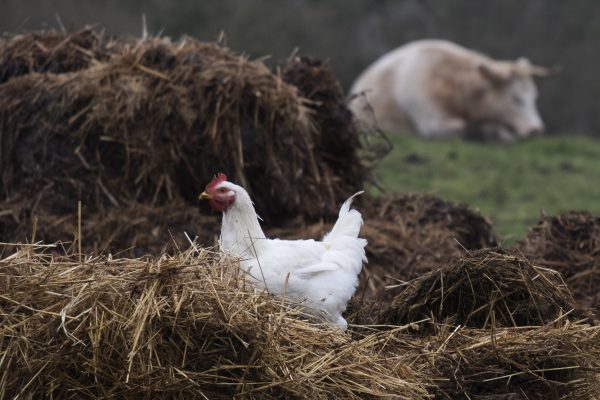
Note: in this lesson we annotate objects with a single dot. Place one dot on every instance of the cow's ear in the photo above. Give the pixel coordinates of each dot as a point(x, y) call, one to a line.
point(497, 76)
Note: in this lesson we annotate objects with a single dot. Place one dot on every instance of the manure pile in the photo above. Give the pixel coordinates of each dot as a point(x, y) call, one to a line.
point(486, 289)
point(52, 52)
point(491, 325)
point(134, 129)
point(188, 326)
point(144, 124)
point(570, 244)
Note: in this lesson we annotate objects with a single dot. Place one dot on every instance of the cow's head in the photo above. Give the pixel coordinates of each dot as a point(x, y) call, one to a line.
point(508, 98)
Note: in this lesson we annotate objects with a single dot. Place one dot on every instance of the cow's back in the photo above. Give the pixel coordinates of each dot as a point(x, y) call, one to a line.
point(408, 78)
point(373, 94)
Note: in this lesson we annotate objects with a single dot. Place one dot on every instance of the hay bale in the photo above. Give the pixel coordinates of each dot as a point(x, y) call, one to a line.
point(182, 326)
point(484, 289)
point(569, 243)
point(151, 124)
point(408, 236)
point(551, 362)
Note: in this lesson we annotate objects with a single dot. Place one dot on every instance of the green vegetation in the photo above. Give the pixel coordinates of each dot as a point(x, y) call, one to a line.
point(511, 184)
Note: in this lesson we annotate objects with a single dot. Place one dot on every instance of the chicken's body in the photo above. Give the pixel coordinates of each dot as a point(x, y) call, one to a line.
point(321, 275)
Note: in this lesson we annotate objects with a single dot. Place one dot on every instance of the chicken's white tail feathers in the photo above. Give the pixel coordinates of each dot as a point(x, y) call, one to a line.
point(346, 206)
point(348, 223)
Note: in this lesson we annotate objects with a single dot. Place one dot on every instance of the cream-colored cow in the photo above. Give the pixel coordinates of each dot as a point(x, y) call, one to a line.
point(440, 89)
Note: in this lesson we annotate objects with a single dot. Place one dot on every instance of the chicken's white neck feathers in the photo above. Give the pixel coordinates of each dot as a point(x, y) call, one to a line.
point(241, 233)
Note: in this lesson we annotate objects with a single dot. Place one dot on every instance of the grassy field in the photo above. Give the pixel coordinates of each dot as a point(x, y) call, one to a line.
point(511, 184)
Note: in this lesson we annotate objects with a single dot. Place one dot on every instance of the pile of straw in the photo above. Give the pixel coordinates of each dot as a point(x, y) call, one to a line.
point(175, 327)
point(121, 123)
point(148, 230)
point(489, 326)
point(484, 289)
point(569, 243)
point(558, 361)
point(190, 326)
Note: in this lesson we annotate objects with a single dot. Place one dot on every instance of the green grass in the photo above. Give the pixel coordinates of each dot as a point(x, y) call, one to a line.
point(511, 184)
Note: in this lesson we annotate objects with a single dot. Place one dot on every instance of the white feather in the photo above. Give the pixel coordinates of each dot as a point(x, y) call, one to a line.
point(323, 275)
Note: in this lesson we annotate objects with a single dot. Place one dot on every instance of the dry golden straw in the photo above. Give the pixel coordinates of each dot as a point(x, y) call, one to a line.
point(174, 327)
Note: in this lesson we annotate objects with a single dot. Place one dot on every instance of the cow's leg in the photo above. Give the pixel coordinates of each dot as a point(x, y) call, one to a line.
point(435, 123)
point(431, 121)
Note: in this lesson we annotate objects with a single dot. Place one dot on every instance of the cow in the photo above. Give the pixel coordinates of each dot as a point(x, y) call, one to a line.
point(440, 89)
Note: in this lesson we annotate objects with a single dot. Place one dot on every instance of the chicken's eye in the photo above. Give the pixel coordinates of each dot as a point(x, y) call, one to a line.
point(222, 190)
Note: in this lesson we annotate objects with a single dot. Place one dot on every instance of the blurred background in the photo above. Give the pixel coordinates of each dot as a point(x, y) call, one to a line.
point(353, 33)
point(511, 184)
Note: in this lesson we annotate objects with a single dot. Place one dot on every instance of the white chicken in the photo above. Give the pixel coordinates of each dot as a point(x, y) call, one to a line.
point(321, 275)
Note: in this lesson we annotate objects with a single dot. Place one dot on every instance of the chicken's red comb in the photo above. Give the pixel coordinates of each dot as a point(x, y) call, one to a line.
point(220, 177)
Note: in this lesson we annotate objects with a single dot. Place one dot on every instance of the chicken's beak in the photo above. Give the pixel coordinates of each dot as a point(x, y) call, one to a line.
point(205, 196)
